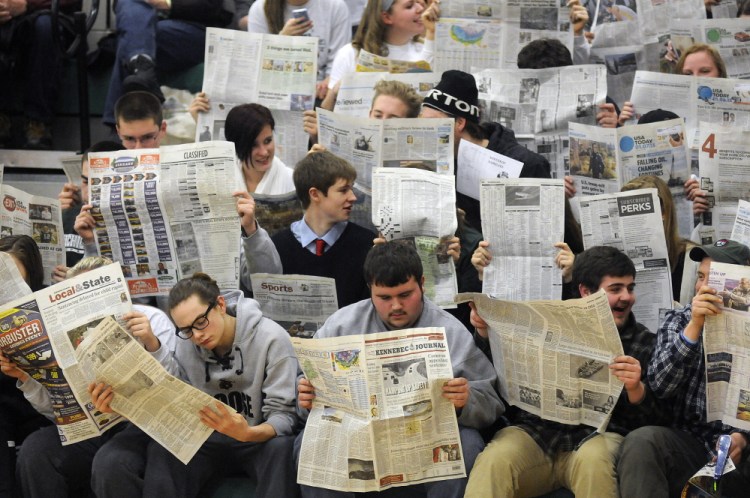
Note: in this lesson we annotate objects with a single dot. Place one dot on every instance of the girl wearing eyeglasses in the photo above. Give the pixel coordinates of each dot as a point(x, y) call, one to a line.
point(230, 351)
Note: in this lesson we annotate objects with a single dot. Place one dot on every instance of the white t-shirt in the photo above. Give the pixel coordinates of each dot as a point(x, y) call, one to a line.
point(277, 180)
point(331, 25)
point(346, 58)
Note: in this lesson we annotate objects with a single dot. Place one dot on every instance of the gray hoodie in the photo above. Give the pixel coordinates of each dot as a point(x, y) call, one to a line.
point(257, 377)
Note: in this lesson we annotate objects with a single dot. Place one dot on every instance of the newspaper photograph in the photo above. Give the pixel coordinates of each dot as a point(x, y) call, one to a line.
point(276, 71)
point(532, 101)
point(367, 62)
point(741, 227)
point(467, 44)
point(522, 219)
point(299, 303)
point(277, 212)
point(397, 143)
point(476, 163)
point(161, 405)
point(38, 217)
point(407, 202)
point(724, 158)
point(552, 357)
point(726, 348)
point(356, 91)
point(631, 222)
point(41, 331)
point(378, 411)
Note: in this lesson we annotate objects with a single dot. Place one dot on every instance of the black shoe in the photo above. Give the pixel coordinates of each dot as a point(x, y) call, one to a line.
point(142, 77)
point(38, 135)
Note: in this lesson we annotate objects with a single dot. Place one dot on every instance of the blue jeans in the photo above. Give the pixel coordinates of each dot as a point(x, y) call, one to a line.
point(174, 45)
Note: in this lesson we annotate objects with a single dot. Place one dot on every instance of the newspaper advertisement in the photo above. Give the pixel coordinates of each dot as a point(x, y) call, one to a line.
point(726, 348)
point(38, 217)
point(277, 212)
point(552, 357)
point(161, 405)
point(156, 218)
point(631, 222)
point(724, 158)
point(276, 71)
point(476, 163)
point(13, 284)
point(467, 44)
point(367, 62)
point(378, 418)
point(290, 139)
point(370, 143)
point(356, 92)
point(408, 202)
point(40, 333)
point(730, 37)
point(532, 101)
point(299, 303)
point(523, 219)
point(741, 228)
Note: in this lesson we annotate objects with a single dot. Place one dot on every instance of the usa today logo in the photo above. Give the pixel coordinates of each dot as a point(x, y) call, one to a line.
point(627, 143)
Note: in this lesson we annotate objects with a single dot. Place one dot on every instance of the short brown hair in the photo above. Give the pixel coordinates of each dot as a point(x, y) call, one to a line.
point(135, 106)
point(402, 91)
point(320, 170)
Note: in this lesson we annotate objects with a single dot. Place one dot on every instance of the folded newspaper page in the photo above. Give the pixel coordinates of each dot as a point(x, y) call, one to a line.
point(656, 16)
point(726, 348)
point(552, 357)
point(701, 484)
point(439, 271)
point(369, 143)
point(378, 418)
point(367, 62)
point(166, 213)
point(533, 101)
point(724, 176)
point(299, 303)
point(602, 160)
point(741, 228)
point(38, 217)
point(161, 405)
point(356, 92)
point(41, 331)
point(476, 163)
point(631, 222)
point(523, 219)
point(13, 284)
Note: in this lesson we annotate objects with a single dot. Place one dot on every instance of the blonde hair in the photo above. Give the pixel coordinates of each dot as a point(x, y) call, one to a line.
point(370, 35)
point(711, 51)
point(675, 243)
point(405, 93)
point(87, 264)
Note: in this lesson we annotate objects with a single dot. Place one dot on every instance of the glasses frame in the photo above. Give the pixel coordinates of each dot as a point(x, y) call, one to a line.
point(186, 333)
point(148, 138)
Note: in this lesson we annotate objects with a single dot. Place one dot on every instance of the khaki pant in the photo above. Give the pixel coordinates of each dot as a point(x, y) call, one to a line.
point(513, 465)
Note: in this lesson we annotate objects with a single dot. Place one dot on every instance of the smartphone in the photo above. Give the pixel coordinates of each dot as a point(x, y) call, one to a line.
point(301, 14)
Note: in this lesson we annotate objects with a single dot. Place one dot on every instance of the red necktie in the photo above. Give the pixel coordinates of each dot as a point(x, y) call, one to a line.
point(320, 244)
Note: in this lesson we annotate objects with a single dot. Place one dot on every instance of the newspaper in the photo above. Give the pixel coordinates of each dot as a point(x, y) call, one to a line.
point(290, 139)
point(556, 149)
point(552, 357)
point(476, 163)
point(369, 143)
point(726, 348)
point(276, 71)
point(467, 44)
point(631, 222)
point(299, 303)
point(13, 284)
point(378, 418)
point(724, 176)
point(161, 405)
point(532, 101)
point(701, 484)
point(38, 217)
point(407, 202)
point(356, 93)
point(439, 271)
point(657, 16)
point(367, 62)
point(41, 331)
point(602, 160)
point(741, 228)
point(522, 219)
point(277, 212)
point(72, 167)
point(729, 37)
point(160, 222)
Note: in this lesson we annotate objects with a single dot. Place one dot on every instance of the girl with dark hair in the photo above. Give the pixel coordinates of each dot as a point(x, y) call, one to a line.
point(250, 127)
point(25, 253)
point(230, 351)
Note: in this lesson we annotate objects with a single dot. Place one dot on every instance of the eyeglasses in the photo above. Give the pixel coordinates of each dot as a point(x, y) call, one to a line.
point(144, 140)
point(199, 323)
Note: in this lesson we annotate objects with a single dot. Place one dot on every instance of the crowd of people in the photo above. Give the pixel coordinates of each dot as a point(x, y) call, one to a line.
point(219, 341)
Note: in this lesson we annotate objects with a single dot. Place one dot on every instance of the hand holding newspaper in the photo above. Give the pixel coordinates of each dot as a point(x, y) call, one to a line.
point(378, 411)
